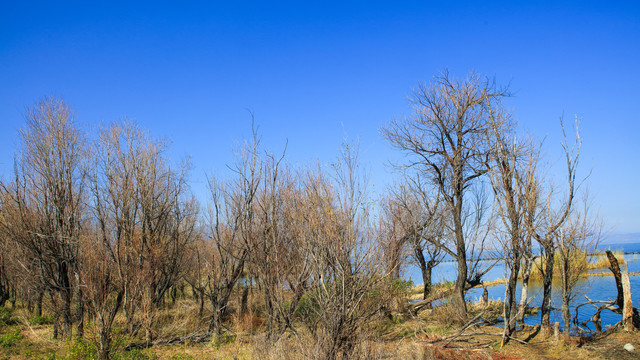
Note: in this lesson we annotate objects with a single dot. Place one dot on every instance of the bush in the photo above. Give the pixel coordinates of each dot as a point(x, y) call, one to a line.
point(8, 340)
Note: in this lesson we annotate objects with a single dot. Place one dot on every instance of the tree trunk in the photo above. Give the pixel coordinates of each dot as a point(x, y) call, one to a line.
point(615, 269)
point(244, 302)
point(461, 257)
point(627, 310)
point(215, 325)
point(201, 300)
point(566, 315)
point(39, 303)
point(80, 315)
point(510, 302)
point(526, 273)
point(545, 310)
point(67, 321)
point(425, 269)
point(426, 278)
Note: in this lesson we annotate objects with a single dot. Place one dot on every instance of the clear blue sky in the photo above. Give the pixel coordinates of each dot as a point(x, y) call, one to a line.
point(313, 72)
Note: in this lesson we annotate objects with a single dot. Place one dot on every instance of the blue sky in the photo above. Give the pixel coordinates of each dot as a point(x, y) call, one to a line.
point(315, 72)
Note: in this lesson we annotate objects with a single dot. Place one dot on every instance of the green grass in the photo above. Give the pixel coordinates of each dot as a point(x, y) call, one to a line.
point(9, 340)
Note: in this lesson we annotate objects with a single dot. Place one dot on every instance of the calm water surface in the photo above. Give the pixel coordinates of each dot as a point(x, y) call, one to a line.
point(595, 287)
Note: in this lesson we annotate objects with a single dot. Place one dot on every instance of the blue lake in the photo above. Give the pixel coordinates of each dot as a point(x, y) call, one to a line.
point(595, 287)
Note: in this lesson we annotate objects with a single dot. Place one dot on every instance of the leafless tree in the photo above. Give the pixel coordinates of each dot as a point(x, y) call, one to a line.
point(548, 216)
point(102, 287)
point(577, 238)
point(416, 221)
point(529, 193)
point(277, 261)
point(446, 141)
point(145, 216)
point(48, 197)
point(18, 269)
point(231, 222)
point(346, 263)
point(509, 182)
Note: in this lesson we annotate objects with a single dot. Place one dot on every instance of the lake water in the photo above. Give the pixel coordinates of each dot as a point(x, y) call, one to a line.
point(595, 287)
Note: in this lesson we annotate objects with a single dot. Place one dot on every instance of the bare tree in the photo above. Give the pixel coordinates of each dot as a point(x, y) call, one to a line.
point(529, 193)
point(509, 187)
point(446, 139)
point(346, 262)
point(577, 238)
point(231, 222)
point(417, 221)
point(548, 216)
point(102, 288)
point(48, 200)
point(277, 261)
point(145, 215)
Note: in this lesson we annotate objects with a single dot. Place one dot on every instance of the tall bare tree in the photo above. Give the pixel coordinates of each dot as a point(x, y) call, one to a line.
point(549, 215)
point(230, 228)
point(446, 140)
point(145, 215)
point(509, 182)
point(48, 197)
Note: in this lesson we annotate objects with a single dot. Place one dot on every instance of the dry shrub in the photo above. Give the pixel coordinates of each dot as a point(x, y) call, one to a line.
point(248, 322)
point(179, 319)
point(447, 315)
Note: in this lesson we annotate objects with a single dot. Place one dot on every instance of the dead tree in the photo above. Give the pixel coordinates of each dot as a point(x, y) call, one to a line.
point(103, 290)
point(48, 199)
point(577, 238)
point(547, 219)
point(446, 139)
point(230, 226)
point(347, 269)
point(416, 221)
point(509, 183)
point(143, 207)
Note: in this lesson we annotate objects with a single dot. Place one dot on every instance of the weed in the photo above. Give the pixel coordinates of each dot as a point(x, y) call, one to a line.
point(182, 357)
point(82, 349)
point(8, 340)
point(5, 316)
point(135, 354)
point(41, 320)
point(222, 339)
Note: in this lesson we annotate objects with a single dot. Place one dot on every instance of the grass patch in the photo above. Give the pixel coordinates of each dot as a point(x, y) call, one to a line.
point(9, 340)
point(41, 320)
point(5, 316)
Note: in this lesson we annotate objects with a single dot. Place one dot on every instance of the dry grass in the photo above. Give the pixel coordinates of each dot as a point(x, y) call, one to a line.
point(602, 262)
point(398, 337)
